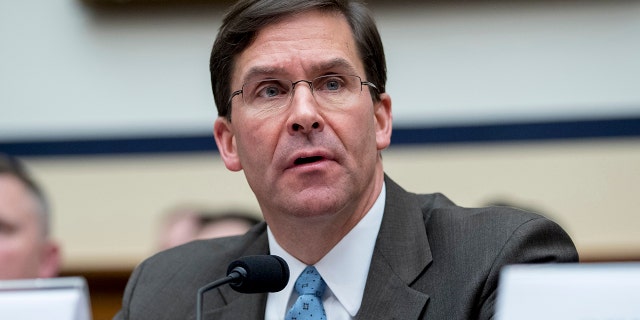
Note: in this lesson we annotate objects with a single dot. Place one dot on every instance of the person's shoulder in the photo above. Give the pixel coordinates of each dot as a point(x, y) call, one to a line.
point(215, 253)
point(451, 228)
point(442, 213)
point(493, 225)
point(442, 209)
point(198, 249)
point(166, 276)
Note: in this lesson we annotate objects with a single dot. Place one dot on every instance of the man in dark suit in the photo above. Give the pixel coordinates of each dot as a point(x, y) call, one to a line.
point(303, 111)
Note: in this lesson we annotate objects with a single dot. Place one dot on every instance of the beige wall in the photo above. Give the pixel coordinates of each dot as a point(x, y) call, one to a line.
point(107, 209)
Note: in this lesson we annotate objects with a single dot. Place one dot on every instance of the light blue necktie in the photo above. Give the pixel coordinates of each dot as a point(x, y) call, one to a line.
point(310, 287)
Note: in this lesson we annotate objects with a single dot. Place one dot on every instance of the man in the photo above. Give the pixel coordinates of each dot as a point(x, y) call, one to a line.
point(26, 249)
point(185, 224)
point(300, 91)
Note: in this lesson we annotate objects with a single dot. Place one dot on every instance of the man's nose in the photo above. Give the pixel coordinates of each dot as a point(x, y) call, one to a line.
point(304, 116)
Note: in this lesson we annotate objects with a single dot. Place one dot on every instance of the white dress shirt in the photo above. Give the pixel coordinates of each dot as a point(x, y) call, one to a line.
point(344, 269)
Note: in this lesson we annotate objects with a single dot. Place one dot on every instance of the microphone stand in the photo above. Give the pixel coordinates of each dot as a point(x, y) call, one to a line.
point(237, 274)
point(250, 274)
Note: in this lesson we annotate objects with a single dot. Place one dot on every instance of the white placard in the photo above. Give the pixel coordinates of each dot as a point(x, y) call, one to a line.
point(594, 291)
point(36, 299)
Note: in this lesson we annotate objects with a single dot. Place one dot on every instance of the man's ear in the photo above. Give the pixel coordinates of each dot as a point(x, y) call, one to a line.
point(226, 142)
point(384, 119)
point(50, 261)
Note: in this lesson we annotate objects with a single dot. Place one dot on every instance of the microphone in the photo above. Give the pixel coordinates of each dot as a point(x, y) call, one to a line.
point(250, 274)
point(266, 273)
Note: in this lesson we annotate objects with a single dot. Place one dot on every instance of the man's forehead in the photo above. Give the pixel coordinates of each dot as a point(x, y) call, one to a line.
point(317, 41)
point(15, 194)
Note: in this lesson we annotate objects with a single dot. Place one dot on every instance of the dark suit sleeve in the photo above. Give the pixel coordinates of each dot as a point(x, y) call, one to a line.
point(123, 314)
point(535, 241)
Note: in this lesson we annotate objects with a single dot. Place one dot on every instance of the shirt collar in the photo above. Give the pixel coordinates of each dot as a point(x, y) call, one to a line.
point(344, 268)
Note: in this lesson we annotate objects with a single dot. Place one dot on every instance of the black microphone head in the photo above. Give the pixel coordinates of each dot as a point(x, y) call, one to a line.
point(261, 273)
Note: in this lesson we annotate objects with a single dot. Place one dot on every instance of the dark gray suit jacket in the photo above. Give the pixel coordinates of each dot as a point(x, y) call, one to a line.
point(432, 260)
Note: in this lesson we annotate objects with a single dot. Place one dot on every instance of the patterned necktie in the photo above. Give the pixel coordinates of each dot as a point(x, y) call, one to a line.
point(310, 287)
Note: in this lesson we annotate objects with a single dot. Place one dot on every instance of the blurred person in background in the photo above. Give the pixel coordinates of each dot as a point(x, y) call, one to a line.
point(26, 247)
point(186, 224)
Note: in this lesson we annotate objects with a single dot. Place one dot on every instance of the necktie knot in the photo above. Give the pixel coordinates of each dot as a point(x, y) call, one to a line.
point(310, 282)
point(310, 288)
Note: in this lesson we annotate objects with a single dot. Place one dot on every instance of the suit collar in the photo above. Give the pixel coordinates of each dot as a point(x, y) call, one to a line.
point(401, 255)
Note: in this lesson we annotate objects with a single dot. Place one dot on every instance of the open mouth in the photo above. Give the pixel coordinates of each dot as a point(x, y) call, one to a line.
point(306, 160)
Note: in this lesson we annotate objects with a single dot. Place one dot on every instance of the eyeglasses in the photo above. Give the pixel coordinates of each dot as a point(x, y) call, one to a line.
point(335, 90)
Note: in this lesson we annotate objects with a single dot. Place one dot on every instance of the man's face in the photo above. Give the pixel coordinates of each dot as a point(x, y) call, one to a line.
point(305, 158)
point(22, 243)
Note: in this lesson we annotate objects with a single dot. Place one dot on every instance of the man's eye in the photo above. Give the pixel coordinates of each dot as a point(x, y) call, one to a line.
point(269, 89)
point(270, 92)
point(332, 85)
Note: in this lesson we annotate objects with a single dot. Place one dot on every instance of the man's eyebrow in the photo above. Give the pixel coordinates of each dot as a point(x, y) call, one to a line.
point(339, 65)
point(259, 72)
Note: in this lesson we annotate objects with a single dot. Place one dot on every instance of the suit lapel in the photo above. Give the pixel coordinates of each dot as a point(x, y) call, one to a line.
point(242, 307)
point(400, 256)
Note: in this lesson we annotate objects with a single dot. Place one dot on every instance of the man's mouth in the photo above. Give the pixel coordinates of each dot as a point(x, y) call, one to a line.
point(307, 160)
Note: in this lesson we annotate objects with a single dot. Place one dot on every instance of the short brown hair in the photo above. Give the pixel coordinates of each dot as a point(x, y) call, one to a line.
point(247, 17)
point(13, 167)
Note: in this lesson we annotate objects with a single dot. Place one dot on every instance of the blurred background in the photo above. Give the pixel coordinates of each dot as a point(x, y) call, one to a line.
point(533, 104)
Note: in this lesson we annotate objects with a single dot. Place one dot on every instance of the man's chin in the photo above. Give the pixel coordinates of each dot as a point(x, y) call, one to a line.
point(314, 204)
